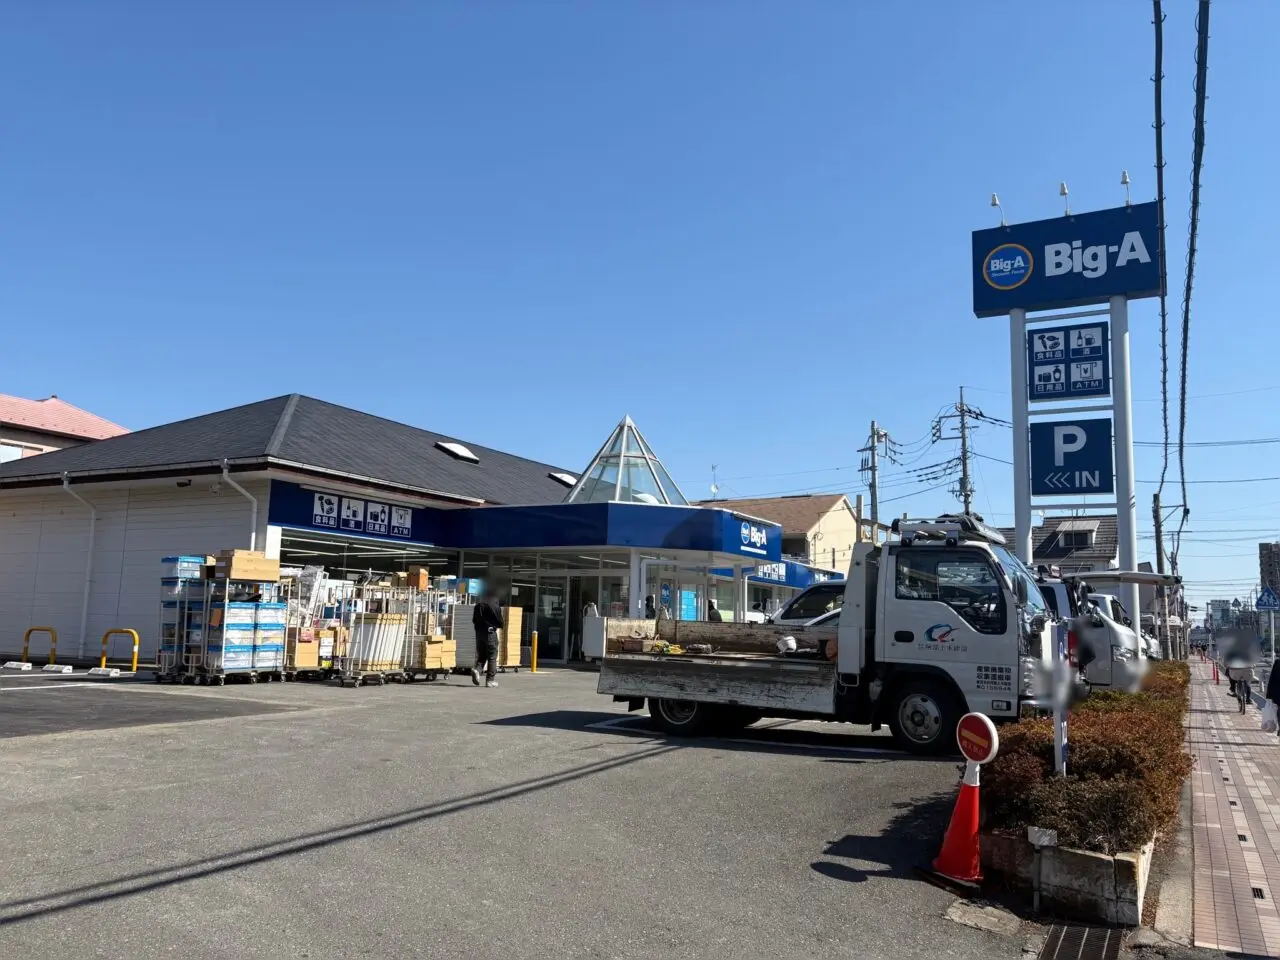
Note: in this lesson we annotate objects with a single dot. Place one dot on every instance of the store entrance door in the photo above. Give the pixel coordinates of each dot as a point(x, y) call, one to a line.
point(582, 591)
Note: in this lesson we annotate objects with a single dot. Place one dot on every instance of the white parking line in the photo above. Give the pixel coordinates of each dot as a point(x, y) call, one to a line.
point(836, 748)
point(46, 686)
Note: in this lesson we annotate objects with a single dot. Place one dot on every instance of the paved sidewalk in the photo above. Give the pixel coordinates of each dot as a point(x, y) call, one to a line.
point(1235, 809)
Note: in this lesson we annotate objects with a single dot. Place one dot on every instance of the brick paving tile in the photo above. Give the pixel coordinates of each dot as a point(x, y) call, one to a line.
point(1233, 794)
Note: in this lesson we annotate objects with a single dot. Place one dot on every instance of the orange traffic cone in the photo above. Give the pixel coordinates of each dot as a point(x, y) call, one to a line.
point(960, 859)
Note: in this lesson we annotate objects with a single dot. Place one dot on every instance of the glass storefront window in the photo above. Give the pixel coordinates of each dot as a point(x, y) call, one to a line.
point(722, 594)
point(552, 594)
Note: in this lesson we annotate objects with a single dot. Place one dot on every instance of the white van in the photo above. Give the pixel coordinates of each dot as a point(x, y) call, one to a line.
point(810, 603)
point(1115, 659)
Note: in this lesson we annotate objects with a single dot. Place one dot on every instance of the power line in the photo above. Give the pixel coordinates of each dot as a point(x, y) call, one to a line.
point(1193, 230)
point(1160, 240)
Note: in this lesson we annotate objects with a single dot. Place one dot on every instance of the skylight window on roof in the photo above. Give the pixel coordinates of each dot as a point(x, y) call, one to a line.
point(457, 451)
point(568, 479)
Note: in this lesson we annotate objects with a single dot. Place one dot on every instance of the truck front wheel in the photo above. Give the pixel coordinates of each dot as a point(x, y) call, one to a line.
point(923, 718)
point(683, 718)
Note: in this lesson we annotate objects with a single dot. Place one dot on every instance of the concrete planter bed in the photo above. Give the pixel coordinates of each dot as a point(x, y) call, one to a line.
point(1083, 884)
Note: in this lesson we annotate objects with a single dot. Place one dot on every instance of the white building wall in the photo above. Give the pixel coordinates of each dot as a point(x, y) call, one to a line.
point(44, 538)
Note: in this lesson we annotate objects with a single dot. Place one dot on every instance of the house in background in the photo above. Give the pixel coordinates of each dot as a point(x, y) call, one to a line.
point(32, 427)
point(1075, 544)
point(818, 528)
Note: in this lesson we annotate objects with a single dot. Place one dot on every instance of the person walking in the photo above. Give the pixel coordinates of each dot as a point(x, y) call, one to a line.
point(713, 615)
point(1273, 690)
point(487, 620)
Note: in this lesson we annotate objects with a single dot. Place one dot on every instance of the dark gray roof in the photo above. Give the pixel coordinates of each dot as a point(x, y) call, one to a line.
point(294, 429)
point(1047, 548)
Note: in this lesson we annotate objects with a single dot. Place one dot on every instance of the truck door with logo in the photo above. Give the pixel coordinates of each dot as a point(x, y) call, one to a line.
point(950, 608)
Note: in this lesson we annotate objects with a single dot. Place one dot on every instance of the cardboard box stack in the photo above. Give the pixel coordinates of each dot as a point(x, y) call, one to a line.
point(250, 566)
point(420, 578)
point(439, 653)
point(303, 649)
point(509, 643)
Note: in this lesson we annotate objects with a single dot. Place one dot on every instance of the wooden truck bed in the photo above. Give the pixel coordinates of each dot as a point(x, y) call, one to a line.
point(750, 680)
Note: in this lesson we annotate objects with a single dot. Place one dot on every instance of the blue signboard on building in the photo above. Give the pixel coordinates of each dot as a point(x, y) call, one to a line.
point(1067, 261)
point(784, 573)
point(1071, 457)
point(1068, 362)
point(292, 505)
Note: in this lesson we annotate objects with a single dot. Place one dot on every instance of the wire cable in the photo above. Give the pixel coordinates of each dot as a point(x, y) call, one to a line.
point(1193, 230)
point(1160, 239)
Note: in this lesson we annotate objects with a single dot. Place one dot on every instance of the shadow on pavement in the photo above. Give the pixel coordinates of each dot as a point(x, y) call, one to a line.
point(778, 736)
point(909, 840)
point(149, 881)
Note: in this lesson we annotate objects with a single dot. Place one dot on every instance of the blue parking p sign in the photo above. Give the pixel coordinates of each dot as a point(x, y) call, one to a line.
point(1071, 457)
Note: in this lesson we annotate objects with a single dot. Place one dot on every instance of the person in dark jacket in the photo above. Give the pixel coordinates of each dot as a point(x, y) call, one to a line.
point(713, 615)
point(487, 619)
point(1273, 688)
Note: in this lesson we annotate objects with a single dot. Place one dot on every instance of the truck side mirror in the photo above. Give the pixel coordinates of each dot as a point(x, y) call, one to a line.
point(1037, 624)
point(1020, 590)
point(1128, 621)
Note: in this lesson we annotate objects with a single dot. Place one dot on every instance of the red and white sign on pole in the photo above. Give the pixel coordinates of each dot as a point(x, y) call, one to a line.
point(977, 737)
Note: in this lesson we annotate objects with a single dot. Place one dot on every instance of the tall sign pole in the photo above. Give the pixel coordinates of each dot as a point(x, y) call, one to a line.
point(1021, 436)
point(1126, 499)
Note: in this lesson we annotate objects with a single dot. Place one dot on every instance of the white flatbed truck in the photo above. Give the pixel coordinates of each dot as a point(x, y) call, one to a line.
point(941, 620)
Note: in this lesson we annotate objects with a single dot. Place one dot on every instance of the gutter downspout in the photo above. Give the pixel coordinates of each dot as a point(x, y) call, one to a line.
point(253, 515)
point(88, 564)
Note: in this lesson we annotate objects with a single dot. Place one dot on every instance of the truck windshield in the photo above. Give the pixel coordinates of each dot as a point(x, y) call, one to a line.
point(1016, 569)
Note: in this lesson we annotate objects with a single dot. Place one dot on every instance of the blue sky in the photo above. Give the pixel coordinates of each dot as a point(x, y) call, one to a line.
point(744, 224)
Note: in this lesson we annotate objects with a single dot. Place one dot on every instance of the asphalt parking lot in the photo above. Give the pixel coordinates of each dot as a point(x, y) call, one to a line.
point(440, 820)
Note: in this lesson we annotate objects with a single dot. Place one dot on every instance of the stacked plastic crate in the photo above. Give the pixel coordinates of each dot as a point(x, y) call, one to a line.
point(181, 612)
point(268, 637)
point(231, 631)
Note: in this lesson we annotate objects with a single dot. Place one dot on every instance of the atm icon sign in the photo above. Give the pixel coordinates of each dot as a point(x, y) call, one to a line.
point(1071, 457)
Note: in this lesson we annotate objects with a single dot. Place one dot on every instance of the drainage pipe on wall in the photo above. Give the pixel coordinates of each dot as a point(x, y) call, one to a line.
point(88, 564)
point(253, 514)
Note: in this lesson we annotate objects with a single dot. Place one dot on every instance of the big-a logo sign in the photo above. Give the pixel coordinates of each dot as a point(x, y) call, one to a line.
point(1009, 266)
point(753, 536)
point(1067, 261)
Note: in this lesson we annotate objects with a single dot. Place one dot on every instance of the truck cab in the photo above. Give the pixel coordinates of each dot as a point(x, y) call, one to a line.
point(951, 621)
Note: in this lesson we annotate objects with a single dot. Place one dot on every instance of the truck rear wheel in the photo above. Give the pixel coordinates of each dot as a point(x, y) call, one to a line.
point(924, 717)
point(683, 718)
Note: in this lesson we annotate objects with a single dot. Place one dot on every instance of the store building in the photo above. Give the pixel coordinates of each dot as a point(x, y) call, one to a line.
point(29, 428)
point(82, 530)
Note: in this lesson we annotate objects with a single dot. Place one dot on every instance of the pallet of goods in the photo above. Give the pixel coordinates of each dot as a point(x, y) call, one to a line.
point(377, 642)
point(509, 640)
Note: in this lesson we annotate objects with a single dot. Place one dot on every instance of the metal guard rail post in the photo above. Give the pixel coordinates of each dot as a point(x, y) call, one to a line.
point(119, 632)
point(53, 643)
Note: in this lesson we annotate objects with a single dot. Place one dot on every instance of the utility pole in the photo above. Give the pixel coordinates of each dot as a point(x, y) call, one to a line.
point(871, 465)
point(966, 488)
point(963, 413)
point(1162, 618)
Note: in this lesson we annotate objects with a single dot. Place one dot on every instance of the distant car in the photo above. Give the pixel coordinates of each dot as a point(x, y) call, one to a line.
point(810, 603)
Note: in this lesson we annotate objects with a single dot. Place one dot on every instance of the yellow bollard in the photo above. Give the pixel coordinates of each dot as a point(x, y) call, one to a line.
point(122, 632)
point(53, 643)
point(533, 653)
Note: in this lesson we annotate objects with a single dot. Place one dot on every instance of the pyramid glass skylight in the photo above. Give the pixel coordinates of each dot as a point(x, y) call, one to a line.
point(626, 470)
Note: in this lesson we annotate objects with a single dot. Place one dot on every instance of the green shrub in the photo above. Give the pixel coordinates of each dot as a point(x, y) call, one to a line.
point(1126, 767)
